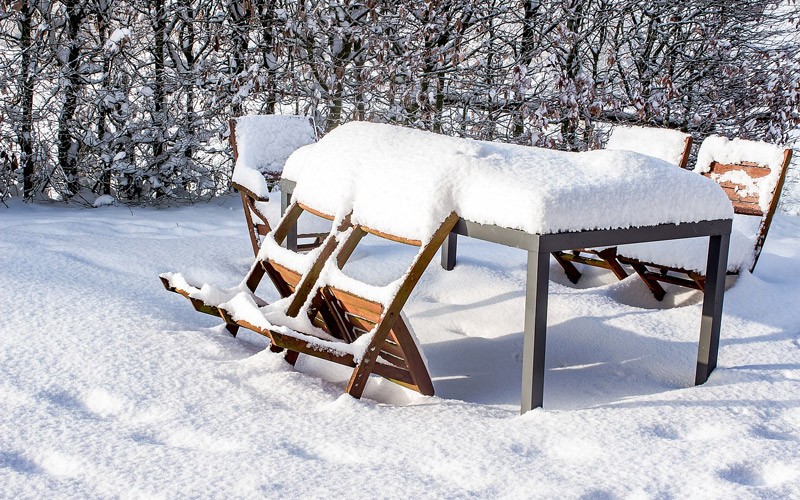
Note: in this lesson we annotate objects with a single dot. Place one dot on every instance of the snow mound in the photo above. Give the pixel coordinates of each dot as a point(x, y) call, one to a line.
point(662, 143)
point(103, 201)
point(263, 144)
point(406, 182)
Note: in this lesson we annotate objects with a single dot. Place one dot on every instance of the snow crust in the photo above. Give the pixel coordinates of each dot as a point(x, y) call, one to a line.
point(406, 182)
point(663, 143)
point(263, 143)
point(729, 151)
point(112, 387)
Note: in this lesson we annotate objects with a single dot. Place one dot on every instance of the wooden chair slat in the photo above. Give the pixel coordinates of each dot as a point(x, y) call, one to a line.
point(358, 306)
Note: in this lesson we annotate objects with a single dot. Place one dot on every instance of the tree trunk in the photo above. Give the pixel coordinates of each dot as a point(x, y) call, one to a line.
point(26, 82)
point(67, 148)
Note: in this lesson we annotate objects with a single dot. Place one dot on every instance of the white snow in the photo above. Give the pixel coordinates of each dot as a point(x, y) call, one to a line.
point(406, 182)
point(111, 386)
point(263, 143)
point(119, 34)
point(662, 143)
point(103, 200)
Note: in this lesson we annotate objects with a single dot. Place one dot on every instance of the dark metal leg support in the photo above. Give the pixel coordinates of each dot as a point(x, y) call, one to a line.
point(716, 268)
point(535, 331)
point(291, 237)
point(449, 252)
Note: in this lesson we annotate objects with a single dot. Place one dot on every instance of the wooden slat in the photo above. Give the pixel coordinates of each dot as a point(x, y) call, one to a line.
point(392, 346)
point(747, 209)
point(396, 375)
point(753, 170)
point(291, 277)
point(358, 322)
point(358, 306)
point(391, 358)
point(392, 237)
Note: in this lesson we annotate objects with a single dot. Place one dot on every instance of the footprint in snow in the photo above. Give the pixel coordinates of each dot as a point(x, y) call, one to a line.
point(662, 431)
point(768, 432)
point(770, 474)
point(16, 461)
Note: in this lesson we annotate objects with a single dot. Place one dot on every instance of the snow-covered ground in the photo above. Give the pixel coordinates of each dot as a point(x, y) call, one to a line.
point(111, 386)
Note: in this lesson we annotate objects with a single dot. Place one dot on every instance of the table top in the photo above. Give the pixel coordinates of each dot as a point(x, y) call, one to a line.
point(405, 182)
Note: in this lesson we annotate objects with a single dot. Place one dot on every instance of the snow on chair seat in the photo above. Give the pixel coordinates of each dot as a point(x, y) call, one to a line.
point(669, 145)
point(752, 175)
point(261, 144)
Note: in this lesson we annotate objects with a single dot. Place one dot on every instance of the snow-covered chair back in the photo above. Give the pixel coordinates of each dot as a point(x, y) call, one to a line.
point(261, 145)
point(752, 174)
point(669, 145)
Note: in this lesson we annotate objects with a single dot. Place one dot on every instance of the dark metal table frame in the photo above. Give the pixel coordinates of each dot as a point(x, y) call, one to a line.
point(539, 248)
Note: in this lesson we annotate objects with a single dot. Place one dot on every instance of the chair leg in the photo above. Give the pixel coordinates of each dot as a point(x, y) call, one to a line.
point(609, 255)
point(360, 375)
point(654, 286)
point(569, 268)
point(291, 357)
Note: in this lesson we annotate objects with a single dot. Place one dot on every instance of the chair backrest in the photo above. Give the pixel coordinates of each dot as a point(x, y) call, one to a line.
point(261, 145)
point(669, 145)
point(751, 173)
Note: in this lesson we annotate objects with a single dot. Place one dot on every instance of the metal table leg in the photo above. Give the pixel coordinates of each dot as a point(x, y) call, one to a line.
point(716, 269)
point(291, 237)
point(449, 252)
point(535, 332)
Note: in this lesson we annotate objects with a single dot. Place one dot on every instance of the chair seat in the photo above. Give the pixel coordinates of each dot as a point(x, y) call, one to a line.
point(690, 254)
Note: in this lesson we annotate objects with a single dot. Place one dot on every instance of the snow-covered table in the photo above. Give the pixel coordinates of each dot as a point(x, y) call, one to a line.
point(538, 200)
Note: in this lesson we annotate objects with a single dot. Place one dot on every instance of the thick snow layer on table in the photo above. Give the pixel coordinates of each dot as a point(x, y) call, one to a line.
point(263, 143)
point(662, 143)
point(691, 253)
point(111, 386)
point(406, 182)
point(726, 151)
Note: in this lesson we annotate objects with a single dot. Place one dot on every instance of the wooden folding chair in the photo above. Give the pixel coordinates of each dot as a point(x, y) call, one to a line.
point(639, 140)
point(748, 207)
point(337, 317)
point(257, 222)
